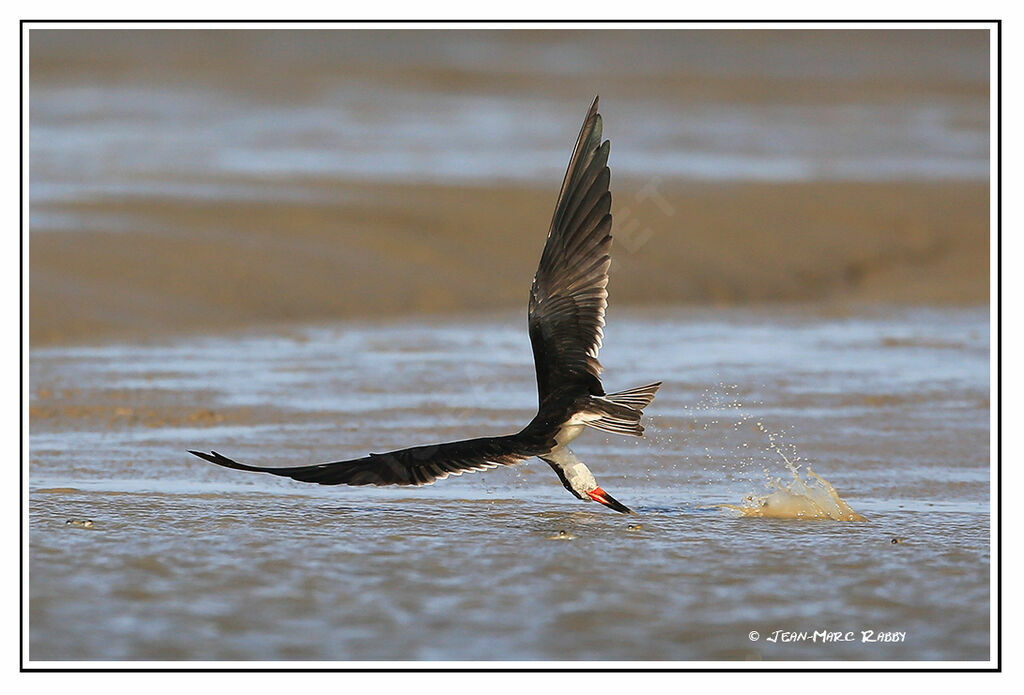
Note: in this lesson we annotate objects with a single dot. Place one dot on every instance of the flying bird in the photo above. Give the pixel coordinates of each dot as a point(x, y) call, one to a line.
point(567, 306)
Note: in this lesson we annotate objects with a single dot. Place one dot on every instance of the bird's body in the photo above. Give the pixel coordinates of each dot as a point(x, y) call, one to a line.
point(567, 304)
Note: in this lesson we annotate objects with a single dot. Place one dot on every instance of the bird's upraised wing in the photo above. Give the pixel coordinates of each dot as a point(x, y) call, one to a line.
point(569, 293)
point(420, 465)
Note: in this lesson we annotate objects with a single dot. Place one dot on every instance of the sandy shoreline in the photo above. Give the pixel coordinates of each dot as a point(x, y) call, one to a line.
point(286, 149)
point(392, 250)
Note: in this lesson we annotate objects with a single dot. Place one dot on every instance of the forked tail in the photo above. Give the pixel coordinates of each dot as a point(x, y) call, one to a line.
point(620, 412)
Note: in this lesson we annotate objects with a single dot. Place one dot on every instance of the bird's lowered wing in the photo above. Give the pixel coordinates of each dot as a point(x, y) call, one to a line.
point(420, 465)
point(569, 293)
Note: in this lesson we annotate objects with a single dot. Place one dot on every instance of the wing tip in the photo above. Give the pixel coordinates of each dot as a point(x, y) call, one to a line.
point(219, 459)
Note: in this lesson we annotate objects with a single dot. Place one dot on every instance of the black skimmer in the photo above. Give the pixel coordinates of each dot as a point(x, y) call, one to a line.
point(566, 318)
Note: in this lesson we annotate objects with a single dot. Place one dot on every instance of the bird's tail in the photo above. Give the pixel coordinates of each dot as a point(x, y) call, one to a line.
point(638, 398)
point(620, 412)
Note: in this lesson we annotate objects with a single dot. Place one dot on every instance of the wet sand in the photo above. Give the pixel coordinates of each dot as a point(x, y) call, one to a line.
point(198, 180)
point(388, 249)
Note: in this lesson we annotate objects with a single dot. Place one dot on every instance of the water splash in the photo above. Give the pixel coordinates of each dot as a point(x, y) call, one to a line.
point(810, 497)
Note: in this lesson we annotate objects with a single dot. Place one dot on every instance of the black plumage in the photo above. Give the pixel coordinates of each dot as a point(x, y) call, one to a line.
point(567, 306)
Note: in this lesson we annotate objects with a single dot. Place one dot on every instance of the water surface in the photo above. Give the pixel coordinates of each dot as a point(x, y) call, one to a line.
point(256, 115)
point(189, 561)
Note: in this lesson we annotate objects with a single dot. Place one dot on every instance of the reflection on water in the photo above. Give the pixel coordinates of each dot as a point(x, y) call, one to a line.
point(185, 560)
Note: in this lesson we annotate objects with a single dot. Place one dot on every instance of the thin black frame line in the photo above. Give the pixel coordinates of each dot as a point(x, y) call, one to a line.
point(510, 21)
point(998, 270)
point(21, 345)
point(999, 342)
point(556, 669)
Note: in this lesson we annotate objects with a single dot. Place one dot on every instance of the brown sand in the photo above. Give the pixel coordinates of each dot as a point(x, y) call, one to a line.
point(392, 249)
point(399, 249)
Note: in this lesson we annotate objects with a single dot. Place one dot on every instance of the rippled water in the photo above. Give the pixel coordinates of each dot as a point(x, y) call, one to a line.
point(188, 561)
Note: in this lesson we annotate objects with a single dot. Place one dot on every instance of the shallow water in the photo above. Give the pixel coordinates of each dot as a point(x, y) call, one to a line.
point(188, 561)
point(119, 115)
